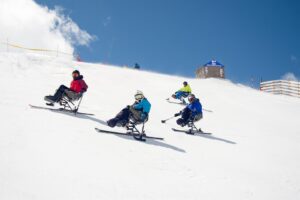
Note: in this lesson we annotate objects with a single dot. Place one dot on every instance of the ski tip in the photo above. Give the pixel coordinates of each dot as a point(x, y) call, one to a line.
point(32, 106)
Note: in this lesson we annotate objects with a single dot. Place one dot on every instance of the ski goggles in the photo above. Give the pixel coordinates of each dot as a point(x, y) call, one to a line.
point(138, 96)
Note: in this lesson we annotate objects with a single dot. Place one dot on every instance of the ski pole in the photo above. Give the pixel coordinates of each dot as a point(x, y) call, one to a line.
point(207, 110)
point(164, 121)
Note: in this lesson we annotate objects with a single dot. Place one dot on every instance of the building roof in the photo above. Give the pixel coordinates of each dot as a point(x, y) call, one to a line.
point(213, 63)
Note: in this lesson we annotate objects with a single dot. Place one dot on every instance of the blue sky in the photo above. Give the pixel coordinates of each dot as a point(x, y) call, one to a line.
point(253, 39)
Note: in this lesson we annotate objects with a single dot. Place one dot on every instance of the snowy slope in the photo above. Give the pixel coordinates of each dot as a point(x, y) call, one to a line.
point(254, 152)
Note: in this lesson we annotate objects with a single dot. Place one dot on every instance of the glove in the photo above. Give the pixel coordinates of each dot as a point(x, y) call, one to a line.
point(177, 114)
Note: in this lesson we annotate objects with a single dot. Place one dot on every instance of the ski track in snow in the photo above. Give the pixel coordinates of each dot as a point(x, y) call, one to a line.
point(253, 152)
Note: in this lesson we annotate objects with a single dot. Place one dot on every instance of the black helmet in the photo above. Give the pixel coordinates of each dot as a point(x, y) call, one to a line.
point(185, 83)
point(76, 72)
point(191, 97)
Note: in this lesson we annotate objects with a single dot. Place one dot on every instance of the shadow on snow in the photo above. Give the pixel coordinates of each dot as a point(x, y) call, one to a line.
point(156, 143)
point(207, 136)
point(149, 141)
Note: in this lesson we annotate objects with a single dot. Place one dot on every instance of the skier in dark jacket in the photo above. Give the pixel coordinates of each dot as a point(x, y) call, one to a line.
point(139, 112)
point(77, 88)
point(192, 112)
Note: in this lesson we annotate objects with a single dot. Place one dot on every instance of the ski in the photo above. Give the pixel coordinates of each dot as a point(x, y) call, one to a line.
point(182, 104)
point(59, 110)
point(178, 103)
point(190, 132)
point(135, 136)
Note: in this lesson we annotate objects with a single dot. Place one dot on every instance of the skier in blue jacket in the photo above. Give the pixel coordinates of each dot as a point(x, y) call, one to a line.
point(192, 112)
point(139, 112)
point(141, 108)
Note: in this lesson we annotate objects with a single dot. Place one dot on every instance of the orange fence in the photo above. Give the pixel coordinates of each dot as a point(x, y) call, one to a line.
point(8, 47)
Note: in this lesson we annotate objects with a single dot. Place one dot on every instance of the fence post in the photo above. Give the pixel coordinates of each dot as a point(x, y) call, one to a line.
point(7, 45)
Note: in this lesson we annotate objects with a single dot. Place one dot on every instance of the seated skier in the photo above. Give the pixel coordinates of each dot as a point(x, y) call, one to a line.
point(183, 92)
point(138, 112)
point(77, 88)
point(191, 113)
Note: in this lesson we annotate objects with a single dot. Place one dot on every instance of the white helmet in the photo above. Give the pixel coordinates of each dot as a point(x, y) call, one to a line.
point(139, 95)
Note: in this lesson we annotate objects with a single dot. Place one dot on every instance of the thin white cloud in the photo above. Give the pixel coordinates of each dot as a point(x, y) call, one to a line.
point(70, 29)
point(27, 23)
point(289, 77)
point(293, 59)
point(106, 21)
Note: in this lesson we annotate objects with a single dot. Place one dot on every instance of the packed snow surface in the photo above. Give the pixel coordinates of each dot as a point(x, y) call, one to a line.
point(253, 152)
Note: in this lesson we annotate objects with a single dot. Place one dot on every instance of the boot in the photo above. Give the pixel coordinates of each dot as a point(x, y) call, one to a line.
point(122, 123)
point(112, 123)
point(50, 99)
point(181, 122)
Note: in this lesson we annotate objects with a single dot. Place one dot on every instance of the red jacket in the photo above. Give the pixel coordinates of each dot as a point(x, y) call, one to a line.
point(78, 85)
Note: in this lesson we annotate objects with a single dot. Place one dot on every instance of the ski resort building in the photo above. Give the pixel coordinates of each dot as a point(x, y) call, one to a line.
point(212, 69)
point(283, 87)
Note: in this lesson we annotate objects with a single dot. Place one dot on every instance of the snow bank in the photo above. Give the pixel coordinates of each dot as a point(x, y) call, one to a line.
point(253, 153)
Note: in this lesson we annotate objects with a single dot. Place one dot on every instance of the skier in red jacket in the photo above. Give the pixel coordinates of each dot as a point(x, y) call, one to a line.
point(77, 88)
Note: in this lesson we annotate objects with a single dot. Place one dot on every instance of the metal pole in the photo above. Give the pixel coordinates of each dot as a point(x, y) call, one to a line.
point(7, 45)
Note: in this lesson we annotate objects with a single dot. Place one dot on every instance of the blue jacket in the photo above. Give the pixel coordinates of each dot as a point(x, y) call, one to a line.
point(195, 107)
point(144, 106)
